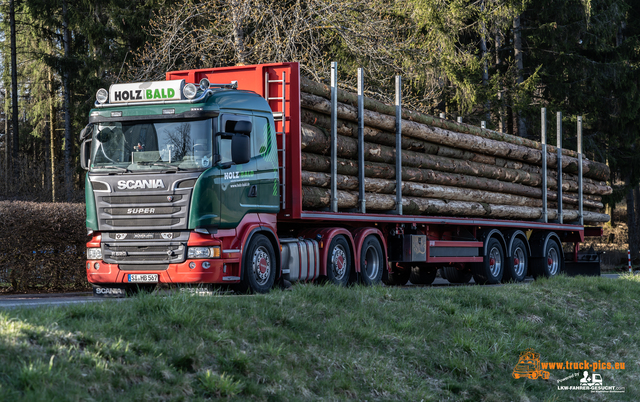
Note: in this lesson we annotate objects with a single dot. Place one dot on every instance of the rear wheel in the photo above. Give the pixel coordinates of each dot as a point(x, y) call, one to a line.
point(259, 268)
point(421, 275)
point(339, 261)
point(454, 275)
point(371, 261)
point(551, 262)
point(491, 270)
point(516, 269)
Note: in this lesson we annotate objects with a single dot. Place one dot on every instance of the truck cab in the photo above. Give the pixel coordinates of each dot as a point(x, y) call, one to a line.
point(178, 177)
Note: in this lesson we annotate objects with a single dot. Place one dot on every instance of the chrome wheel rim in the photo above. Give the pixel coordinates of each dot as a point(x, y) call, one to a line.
point(338, 262)
point(553, 262)
point(519, 261)
point(261, 264)
point(371, 262)
point(495, 261)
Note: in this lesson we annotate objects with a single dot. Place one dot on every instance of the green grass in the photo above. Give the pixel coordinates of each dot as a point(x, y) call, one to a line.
point(326, 343)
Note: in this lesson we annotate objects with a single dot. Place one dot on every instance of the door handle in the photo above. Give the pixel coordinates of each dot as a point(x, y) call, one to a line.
point(253, 191)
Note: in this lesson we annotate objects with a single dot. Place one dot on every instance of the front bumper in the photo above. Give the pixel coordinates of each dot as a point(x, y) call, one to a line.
point(221, 270)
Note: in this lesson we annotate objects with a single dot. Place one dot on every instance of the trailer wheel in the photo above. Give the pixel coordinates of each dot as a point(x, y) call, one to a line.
point(421, 275)
point(371, 261)
point(490, 270)
point(454, 275)
point(551, 262)
point(398, 276)
point(516, 269)
point(259, 267)
point(339, 261)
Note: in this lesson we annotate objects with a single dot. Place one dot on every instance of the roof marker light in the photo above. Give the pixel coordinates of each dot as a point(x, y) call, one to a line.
point(204, 84)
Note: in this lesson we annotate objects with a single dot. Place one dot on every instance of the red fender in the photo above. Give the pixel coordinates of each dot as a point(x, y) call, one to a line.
point(359, 235)
point(327, 236)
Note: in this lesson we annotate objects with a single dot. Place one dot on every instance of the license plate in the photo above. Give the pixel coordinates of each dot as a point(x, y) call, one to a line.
point(143, 278)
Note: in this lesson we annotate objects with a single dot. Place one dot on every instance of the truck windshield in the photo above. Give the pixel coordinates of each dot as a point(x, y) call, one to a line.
point(149, 145)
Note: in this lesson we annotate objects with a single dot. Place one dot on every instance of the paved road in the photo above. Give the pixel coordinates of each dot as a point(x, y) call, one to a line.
point(60, 299)
point(41, 300)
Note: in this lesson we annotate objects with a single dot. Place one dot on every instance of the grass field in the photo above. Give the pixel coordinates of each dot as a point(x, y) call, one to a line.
point(326, 343)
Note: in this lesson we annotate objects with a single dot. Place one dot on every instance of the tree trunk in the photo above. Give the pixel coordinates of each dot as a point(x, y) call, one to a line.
point(631, 219)
point(68, 172)
point(14, 92)
point(317, 198)
point(318, 163)
point(316, 141)
point(517, 53)
point(454, 139)
point(322, 90)
point(52, 144)
point(421, 189)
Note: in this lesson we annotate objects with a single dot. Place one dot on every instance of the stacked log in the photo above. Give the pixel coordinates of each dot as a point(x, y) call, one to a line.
point(448, 168)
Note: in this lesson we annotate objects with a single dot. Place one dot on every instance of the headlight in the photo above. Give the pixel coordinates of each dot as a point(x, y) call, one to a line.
point(204, 252)
point(190, 91)
point(94, 253)
point(102, 95)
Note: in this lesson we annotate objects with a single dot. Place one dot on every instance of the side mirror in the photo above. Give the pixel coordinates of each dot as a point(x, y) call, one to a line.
point(240, 148)
point(85, 154)
point(86, 131)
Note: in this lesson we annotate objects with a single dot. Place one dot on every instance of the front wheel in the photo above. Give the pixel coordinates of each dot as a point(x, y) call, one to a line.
point(454, 275)
point(259, 268)
point(339, 261)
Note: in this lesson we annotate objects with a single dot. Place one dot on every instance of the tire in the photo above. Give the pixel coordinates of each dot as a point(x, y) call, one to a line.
point(516, 269)
point(339, 261)
point(259, 265)
point(421, 275)
point(491, 270)
point(398, 276)
point(551, 262)
point(371, 261)
point(454, 275)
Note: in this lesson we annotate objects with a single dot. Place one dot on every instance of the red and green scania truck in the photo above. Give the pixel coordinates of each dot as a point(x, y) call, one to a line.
point(197, 180)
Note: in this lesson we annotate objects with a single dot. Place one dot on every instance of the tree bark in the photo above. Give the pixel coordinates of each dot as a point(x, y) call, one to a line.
point(317, 198)
point(454, 139)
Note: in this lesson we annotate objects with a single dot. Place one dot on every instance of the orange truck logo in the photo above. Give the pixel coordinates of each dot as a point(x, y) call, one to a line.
point(529, 366)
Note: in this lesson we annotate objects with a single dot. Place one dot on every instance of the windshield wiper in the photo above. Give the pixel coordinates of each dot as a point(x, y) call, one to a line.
point(159, 164)
point(113, 167)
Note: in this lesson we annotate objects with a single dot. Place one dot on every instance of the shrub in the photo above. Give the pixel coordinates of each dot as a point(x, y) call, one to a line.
point(42, 245)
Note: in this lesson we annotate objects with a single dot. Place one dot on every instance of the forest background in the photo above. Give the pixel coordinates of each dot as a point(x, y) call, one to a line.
point(483, 60)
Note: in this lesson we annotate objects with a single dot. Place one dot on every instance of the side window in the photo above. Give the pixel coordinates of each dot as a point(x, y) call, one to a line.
point(263, 140)
point(227, 122)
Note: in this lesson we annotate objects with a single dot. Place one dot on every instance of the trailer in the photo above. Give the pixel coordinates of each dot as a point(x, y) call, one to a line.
point(197, 180)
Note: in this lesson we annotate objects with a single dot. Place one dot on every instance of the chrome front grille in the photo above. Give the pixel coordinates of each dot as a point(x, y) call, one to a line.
point(137, 253)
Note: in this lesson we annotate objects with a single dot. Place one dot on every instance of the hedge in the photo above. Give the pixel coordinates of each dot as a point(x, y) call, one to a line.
point(42, 246)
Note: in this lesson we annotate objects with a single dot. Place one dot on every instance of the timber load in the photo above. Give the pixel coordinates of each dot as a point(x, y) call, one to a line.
point(448, 168)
